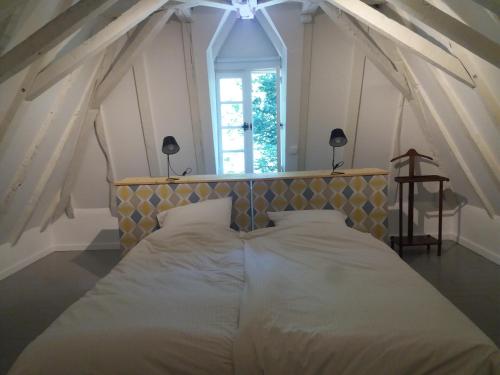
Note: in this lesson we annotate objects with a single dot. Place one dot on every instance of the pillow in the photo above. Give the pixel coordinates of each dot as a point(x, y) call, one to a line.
point(212, 211)
point(307, 216)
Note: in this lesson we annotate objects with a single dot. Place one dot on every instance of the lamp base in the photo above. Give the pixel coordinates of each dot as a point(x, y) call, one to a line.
point(335, 173)
point(171, 179)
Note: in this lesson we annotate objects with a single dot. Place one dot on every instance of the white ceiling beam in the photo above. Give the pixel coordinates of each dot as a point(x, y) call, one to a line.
point(270, 3)
point(48, 36)
point(474, 134)
point(102, 139)
point(63, 196)
point(141, 38)
point(309, 9)
point(208, 3)
point(371, 49)
point(354, 105)
point(194, 106)
point(184, 14)
point(427, 105)
point(7, 7)
point(151, 141)
point(491, 5)
point(114, 30)
point(305, 90)
point(73, 125)
point(425, 14)
point(405, 37)
point(32, 150)
point(484, 87)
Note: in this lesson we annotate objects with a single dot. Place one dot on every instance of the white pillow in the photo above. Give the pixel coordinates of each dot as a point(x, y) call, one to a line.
point(307, 216)
point(212, 211)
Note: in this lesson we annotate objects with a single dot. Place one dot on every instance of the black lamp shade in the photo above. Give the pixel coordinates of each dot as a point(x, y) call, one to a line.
point(170, 146)
point(337, 138)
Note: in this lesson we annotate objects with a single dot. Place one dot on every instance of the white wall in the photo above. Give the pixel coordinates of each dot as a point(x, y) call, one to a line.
point(332, 56)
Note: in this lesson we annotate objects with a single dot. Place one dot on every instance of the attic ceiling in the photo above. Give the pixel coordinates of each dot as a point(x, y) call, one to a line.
point(115, 32)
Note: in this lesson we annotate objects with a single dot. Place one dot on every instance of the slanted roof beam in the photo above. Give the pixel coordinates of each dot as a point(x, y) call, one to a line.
point(405, 37)
point(140, 40)
point(424, 13)
point(70, 61)
point(491, 5)
point(7, 7)
point(49, 35)
point(369, 47)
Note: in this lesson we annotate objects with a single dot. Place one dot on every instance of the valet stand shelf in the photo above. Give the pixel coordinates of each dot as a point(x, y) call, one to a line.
point(410, 239)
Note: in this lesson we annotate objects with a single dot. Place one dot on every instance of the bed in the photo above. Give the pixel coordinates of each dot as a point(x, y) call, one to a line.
point(322, 298)
point(308, 296)
point(169, 307)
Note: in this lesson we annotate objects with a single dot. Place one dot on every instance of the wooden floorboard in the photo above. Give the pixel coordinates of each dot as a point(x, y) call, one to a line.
point(33, 297)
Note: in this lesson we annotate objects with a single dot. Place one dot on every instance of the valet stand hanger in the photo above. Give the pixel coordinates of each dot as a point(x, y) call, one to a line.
point(411, 179)
point(412, 154)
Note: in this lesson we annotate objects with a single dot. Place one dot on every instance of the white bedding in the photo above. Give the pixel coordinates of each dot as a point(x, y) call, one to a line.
point(330, 300)
point(171, 306)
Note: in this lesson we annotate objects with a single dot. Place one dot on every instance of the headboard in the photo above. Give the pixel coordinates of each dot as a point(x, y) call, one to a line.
point(360, 193)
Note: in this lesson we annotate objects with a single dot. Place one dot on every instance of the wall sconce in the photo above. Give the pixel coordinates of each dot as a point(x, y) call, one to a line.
point(337, 139)
point(170, 147)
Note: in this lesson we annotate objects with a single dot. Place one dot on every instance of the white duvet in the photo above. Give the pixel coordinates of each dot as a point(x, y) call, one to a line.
point(170, 307)
point(308, 299)
point(323, 300)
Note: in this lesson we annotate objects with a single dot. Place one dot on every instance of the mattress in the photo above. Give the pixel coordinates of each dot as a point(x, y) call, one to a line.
point(169, 307)
point(331, 300)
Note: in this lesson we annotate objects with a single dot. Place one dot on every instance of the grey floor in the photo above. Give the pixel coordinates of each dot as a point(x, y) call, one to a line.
point(32, 298)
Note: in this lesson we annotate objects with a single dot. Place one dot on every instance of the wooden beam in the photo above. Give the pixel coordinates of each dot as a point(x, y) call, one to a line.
point(491, 5)
point(17, 180)
point(194, 106)
point(100, 133)
point(7, 7)
point(427, 105)
point(67, 63)
point(468, 123)
point(396, 134)
point(354, 105)
point(309, 9)
point(184, 14)
point(11, 23)
point(425, 14)
point(371, 49)
point(485, 87)
point(270, 3)
point(75, 123)
point(151, 141)
point(49, 36)
point(405, 37)
point(77, 154)
point(305, 90)
point(141, 38)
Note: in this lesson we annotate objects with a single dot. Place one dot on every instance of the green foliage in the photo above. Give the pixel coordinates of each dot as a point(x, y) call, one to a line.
point(264, 116)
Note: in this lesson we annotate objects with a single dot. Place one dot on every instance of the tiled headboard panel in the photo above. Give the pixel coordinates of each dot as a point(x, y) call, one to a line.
point(360, 193)
point(362, 198)
point(138, 205)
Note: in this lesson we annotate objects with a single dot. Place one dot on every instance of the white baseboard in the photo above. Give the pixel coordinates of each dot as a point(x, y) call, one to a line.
point(24, 263)
point(478, 249)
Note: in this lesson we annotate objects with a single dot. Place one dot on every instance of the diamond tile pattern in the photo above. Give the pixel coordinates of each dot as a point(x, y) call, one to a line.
point(362, 198)
point(138, 205)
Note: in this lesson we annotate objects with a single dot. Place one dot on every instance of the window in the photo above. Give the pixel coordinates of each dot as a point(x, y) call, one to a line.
point(248, 119)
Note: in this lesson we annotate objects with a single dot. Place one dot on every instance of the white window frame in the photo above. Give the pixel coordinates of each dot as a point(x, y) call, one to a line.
point(244, 72)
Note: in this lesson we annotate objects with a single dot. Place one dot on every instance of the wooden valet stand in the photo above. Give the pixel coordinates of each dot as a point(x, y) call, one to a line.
point(411, 179)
